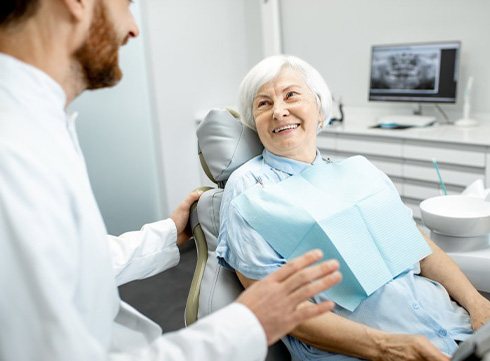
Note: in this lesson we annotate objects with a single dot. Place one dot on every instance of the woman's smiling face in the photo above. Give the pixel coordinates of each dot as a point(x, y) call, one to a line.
point(287, 114)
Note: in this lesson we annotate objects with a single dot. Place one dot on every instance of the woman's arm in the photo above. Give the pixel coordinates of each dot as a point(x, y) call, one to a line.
point(333, 333)
point(441, 268)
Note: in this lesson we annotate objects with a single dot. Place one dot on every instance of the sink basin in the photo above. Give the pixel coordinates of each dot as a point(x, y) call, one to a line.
point(456, 216)
point(460, 225)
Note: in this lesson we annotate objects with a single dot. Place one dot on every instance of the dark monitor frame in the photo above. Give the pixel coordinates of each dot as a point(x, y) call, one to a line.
point(417, 98)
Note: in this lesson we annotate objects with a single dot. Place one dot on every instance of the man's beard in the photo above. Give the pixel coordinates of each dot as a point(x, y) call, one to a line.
point(98, 57)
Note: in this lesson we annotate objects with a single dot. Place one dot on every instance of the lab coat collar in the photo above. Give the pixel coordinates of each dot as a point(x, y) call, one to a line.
point(32, 89)
point(287, 165)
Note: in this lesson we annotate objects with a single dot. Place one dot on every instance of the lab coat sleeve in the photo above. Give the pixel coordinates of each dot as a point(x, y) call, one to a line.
point(144, 253)
point(232, 333)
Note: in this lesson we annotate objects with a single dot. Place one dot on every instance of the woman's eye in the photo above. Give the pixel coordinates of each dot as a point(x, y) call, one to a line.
point(290, 94)
point(261, 103)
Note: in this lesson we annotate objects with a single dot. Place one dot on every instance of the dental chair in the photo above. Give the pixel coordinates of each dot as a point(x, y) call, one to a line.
point(224, 145)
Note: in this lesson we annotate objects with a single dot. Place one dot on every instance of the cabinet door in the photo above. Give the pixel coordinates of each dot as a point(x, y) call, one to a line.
point(422, 191)
point(456, 175)
point(327, 141)
point(390, 167)
point(445, 153)
point(414, 206)
point(369, 145)
point(399, 185)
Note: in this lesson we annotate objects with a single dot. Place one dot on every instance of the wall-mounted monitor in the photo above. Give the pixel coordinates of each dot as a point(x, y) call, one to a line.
point(426, 72)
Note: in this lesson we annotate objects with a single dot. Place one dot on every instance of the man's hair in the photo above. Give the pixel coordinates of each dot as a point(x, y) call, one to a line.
point(14, 11)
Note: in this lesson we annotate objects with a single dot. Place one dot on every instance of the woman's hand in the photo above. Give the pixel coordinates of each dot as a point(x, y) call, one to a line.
point(401, 347)
point(479, 313)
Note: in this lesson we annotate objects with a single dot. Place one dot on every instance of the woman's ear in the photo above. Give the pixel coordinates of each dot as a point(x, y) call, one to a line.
point(321, 118)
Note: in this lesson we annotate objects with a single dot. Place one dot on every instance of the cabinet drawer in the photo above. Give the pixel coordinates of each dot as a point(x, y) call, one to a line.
point(369, 146)
point(415, 210)
point(327, 142)
point(390, 168)
point(398, 185)
point(423, 192)
point(444, 155)
point(449, 176)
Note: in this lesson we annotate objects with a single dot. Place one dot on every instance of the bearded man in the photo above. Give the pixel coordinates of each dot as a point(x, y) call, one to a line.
point(59, 270)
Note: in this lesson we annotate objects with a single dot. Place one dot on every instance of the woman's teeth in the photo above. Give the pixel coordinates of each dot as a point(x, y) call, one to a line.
point(286, 127)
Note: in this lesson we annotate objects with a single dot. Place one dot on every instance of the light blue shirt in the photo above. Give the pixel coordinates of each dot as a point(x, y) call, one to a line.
point(408, 304)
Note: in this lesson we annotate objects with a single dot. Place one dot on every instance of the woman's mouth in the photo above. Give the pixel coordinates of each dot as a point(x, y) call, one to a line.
point(285, 127)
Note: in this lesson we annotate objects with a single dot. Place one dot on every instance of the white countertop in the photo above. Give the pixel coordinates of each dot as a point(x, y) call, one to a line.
point(479, 135)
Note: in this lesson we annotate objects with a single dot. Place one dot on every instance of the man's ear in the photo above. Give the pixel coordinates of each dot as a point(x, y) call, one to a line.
point(79, 8)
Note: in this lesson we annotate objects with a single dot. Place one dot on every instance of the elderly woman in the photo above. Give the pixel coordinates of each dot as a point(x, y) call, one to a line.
point(411, 317)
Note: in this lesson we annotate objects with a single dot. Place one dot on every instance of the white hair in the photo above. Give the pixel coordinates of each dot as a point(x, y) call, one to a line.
point(268, 69)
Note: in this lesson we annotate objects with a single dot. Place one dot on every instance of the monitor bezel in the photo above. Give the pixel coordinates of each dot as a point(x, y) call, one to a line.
point(412, 99)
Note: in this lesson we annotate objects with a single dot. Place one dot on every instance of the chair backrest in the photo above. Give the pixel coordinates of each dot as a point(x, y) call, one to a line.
point(224, 145)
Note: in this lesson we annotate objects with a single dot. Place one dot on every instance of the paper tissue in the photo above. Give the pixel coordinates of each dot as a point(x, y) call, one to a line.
point(477, 190)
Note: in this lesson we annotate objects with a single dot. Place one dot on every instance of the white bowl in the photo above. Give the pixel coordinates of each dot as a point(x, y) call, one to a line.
point(457, 216)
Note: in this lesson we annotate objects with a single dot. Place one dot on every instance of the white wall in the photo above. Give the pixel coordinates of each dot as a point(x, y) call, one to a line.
point(198, 52)
point(336, 37)
point(139, 138)
point(116, 132)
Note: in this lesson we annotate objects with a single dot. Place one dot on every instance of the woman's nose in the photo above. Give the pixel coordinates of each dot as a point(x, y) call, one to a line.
point(280, 110)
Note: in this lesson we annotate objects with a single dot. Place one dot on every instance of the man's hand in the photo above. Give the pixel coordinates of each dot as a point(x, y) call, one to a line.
point(404, 347)
point(181, 216)
point(275, 299)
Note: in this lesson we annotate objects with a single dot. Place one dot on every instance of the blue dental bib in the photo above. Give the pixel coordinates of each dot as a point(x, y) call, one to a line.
point(349, 211)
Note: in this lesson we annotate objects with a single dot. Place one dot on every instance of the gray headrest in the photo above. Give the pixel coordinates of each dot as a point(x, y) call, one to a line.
point(225, 144)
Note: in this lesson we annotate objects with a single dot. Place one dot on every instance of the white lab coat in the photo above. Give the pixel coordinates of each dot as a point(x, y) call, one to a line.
point(59, 271)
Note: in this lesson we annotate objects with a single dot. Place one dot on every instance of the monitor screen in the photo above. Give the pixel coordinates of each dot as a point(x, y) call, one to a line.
point(415, 72)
